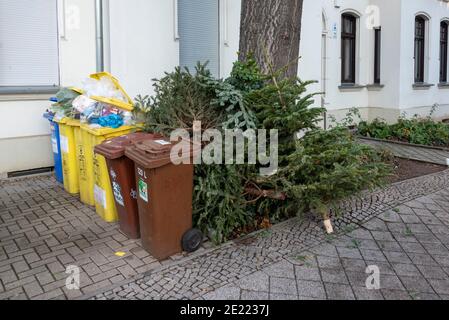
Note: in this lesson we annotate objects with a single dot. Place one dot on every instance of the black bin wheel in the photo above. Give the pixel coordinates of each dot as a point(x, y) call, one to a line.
point(191, 240)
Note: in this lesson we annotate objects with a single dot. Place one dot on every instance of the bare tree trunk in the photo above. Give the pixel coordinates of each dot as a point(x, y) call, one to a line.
point(273, 27)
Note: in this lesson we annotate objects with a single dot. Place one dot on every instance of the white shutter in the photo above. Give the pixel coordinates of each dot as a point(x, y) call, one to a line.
point(198, 23)
point(29, 43)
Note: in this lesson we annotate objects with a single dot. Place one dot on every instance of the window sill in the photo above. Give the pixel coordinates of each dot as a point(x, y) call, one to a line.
point(375, 87)
point(27, 93)
point(351, 87)
point(29, 90)
point(443, 85)
point(422, 86)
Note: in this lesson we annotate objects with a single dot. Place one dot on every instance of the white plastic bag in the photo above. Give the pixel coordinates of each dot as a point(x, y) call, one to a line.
point(102, 88)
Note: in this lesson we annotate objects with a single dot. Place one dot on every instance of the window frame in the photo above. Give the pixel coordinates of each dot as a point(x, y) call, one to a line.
point(351, 38)
point(444, 43)
point(377, 55)
point(420, 52)
point(12, 90)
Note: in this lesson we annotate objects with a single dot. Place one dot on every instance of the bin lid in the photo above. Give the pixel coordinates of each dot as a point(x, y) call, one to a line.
point(115, 148)
point(125, 105)
point(153, 154)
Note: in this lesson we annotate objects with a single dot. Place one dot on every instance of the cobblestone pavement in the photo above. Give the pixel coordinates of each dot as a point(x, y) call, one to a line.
point(409, 246)
point(430, 155)
point(403, 229)
point(43, 230)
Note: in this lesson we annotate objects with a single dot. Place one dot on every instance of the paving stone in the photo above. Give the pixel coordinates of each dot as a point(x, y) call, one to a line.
point(349, 253)
point(328, 262)
point(438, 249)
point(412, 247)
point(33, 289)
point(334, 276)
point(91, 269)
point(282, 297)
point(45, 278)
point(311, 289)
point(96, 286)
point(390, 282)
point(307, 273)
point(432, 272)
point(397, 257)
point(259, 281)
point(390, 246)
point(410, 218)
point(339, 292)
point(8, 276)
point(282, 285)
point(441, 260)
point(32, 257)
point(382, 236)
point(20, 266)
point(416, 284)
point(357, 279)
point(224, 293)
point(422, 259)
point(254, 295)
point(373, 255)
point(405, 269)
point(354, 265)
point(283, 269)
point(364, 294)
point(426, 296)
point(396, 295)
point(361, 234)
point(440, 286)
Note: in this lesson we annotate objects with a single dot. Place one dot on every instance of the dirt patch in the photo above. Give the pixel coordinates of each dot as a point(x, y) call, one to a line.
point(408, 169)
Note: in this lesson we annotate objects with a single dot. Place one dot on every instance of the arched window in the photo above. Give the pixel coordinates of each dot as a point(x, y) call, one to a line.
point(420, 48)
point(443, 50)
point(348, 48)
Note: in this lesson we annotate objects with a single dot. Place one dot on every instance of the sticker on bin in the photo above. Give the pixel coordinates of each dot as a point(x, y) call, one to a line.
point(54, 145)
point(64, 141)
point(162, 142)
point(100, 196)
point(143, 190)
point(118, 193)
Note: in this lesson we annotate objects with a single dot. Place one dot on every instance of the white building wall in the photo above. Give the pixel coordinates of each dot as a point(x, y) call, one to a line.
point(230, 11)
point(24, 134)
point(418, 101)
point(384, 102)
point(142, 42)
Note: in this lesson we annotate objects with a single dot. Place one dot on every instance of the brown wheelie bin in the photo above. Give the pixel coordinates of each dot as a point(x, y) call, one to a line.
point(164, 193)
point(123, 180)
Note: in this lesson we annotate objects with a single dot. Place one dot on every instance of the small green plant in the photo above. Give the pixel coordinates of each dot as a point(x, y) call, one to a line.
point(416, 130)
point(350, 228)
point(408, 232)
point(414, 295)
point(305, 261)
point(265, 234)
point(350, 120)
point(355, 244)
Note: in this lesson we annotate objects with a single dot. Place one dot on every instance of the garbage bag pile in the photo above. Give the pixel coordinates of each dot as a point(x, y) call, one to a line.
point(100, 102)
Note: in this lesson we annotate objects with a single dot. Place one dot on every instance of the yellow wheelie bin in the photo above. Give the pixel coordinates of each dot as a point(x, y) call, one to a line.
point(85, 160)
point(68, 150)
point(96, 170)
